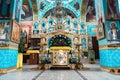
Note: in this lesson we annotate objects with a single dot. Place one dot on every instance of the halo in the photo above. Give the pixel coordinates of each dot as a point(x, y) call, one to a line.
point(112, 23)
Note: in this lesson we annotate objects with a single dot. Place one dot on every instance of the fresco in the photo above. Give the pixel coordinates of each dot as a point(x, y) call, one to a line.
point(90, 13)
point(5, 30)
point(113, 31)
point(5, 8)
point(27, 13)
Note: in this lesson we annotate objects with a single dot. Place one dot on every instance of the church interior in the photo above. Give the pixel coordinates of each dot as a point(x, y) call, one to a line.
point(59, 39)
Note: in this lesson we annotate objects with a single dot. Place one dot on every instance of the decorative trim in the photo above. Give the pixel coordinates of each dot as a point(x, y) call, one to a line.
point(107, 68)
point(7, 70)
point(9, 47)
point(107, 46)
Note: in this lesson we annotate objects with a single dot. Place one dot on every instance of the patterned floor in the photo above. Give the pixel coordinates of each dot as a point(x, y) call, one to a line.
point(92, 72)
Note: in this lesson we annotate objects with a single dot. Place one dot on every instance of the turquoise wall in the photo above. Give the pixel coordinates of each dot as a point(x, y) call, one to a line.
point(102, 42)
point(8, 58)
point(110, 58)
point(91, 30)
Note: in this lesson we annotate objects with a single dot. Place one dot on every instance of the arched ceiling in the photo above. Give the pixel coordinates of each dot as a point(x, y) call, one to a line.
point(70, 5)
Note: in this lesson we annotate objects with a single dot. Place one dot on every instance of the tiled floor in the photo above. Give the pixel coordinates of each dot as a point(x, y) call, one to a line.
point(93, 73)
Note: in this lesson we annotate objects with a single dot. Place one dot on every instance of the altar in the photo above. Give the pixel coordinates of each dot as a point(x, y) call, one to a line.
point(60, 56)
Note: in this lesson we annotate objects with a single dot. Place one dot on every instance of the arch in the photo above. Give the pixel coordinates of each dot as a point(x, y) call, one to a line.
point(59, 40)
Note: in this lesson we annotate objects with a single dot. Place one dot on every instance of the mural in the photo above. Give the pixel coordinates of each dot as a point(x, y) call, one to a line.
point(5, 30)
point(90, 13)
point(5, 8)
point(27, 13)
point(15, 37)
point(113, 31)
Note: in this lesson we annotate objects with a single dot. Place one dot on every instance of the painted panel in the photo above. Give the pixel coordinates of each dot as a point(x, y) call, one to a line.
point(110, 58)
point(113, 32)
point(8, 58)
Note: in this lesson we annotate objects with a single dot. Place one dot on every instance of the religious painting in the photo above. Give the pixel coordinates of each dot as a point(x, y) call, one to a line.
point(82, 28)
point(84, 42)
point(24, 34)
point(15, 37)
point(5, 30)
point(90, 12)
point(75, 24)
point(90, 44)
point(27, 13)
point(5, 8)
point(112, 9)
point(43, 24)
point(100, 29)
point(68, 21)
point(113, 31)
point(82, 25)
point(50, 21)
point(42, 5)
point(17, 10)
point(76, 5)
point(36, 25)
